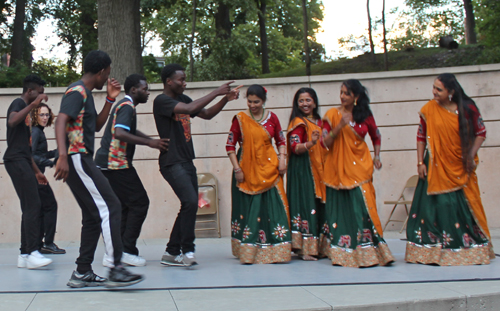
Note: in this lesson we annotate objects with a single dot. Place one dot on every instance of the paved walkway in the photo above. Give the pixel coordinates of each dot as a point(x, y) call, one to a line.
point(178, 289)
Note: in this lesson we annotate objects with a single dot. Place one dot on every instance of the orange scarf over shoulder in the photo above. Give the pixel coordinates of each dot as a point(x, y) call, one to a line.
point(316, 155)
point(349, 164)
point(259, 160)
point(445, 172)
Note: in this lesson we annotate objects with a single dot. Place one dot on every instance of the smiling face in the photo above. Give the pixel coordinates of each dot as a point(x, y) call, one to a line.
point(440, 93)
point(347, 98)
point(43, 116)
point(255, 104)
point(306, 104)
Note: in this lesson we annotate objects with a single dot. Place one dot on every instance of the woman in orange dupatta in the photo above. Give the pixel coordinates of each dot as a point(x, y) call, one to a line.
point(260, 228)
point(305, 187)
point(447, 224)
point(353, 233)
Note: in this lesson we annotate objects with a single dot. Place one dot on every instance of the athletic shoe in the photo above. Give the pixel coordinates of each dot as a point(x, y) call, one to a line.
point(120, 277)
point(37, 260)
point(108, 261)
point(172, 260)
point(89, 279)
point(52, 249)
point(21, 260)
point(189, 259)
point(133, 260)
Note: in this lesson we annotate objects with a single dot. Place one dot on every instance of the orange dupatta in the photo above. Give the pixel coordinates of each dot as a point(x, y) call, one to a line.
point(445, 172)
point(349, 164)
point(259, 160)
point(316, 155)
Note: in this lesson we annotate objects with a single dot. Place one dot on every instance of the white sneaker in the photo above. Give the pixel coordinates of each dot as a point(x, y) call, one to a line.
point(21, 260)
point(189, 259)
point(108, 261)
point(133, 260)
point(37, 260)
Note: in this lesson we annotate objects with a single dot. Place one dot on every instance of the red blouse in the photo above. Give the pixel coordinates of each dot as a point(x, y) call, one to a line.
point(271, 124)
point(299, 136)
point(477, 124)
point(368, 126)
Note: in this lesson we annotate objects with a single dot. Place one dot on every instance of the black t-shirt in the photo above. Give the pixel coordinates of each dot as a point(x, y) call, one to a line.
point(115, 154)
point(18, 137)
point(78, 104)
point(39, 147)
point(177, 127)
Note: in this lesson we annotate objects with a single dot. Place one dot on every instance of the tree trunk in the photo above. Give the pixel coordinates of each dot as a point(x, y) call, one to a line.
point(16, 55)
point(470, 24)
point(263, 36)
point(306, 40)
point(370, 37)
point(386, 61)
point(191, 41)
point(120, 35)
point(90, 33)
point(223, 24)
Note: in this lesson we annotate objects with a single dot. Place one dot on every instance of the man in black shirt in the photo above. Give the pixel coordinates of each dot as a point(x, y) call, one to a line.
point(115, 157)
point(173, 112)
point(23, 171)
point(76, 125)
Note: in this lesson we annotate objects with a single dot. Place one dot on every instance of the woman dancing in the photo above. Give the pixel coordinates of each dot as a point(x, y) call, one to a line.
point(447, 224)
point(353, 233)
point(259, 221)
point(305, 187)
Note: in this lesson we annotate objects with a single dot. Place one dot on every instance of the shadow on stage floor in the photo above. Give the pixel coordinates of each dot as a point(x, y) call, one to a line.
point(219, 269)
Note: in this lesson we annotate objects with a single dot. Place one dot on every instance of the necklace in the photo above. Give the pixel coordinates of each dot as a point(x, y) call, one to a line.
point(263, 113)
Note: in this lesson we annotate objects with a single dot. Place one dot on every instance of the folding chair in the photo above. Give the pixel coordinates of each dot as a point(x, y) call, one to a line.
point(208, 202)
point(410, 183)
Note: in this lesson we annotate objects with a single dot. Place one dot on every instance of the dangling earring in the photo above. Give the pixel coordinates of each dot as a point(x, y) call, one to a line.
point(355, 102)
point(449, 97)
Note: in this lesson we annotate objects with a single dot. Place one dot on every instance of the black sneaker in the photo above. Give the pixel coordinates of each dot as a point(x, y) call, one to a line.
point(120, 277)
point(90, 279)
point(52, 249)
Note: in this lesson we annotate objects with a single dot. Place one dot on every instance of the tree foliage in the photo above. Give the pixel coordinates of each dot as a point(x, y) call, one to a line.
point(488, 21)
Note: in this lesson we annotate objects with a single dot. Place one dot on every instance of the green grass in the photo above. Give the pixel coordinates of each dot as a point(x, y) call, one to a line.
point(401, 60)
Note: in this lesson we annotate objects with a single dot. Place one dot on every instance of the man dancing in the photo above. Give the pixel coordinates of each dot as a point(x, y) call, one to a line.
point(76, 125)
point(24, 172)
point(115, 157)
point(173, 112)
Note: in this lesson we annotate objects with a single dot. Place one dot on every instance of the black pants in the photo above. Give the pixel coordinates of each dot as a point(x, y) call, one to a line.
point(101, 210)
point(135, 204)
point(48, 214)
point(26, 186)
point(183, 180)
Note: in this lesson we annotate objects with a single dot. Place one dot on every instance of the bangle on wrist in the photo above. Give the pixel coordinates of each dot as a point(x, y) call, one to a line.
point(331, 134)
point(377, 157)
point(237, 170)
point(110, 100)
point(305, 146)
point(420, 163)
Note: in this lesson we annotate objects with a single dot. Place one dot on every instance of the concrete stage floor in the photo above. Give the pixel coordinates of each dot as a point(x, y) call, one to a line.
point(220, 282)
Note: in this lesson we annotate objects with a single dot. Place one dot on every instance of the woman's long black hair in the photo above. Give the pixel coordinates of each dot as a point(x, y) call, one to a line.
point(361, 110)
point(464, 104)
point(296, 112)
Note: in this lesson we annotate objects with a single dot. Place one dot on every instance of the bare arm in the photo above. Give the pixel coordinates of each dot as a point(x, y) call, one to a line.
point(422, 169)
point(238, 173)
point(376, 160)
point(17, 117)
point(62, 168)
point(330, 137)
point(113, 90)
point(305, 147)
point(124, 135)
point(211, 112)
point(478, 141)
point(141, 134)
point(282, 160)
point(196, 106)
